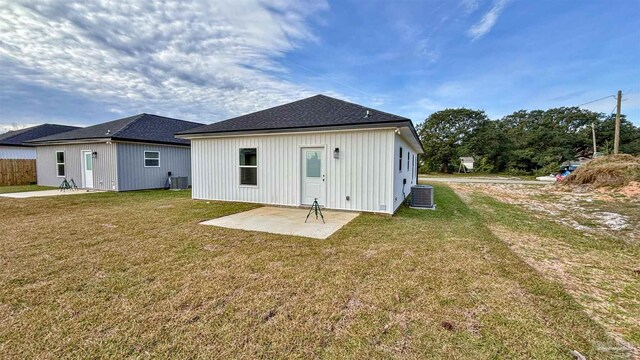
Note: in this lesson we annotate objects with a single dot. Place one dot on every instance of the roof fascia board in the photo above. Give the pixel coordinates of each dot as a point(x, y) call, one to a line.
point(415, 139)
point(141, 141)
point(101, 140)
point(371, 126)
point(16, 145)
point(70, 141)
point(407, 135)
point(150, 143)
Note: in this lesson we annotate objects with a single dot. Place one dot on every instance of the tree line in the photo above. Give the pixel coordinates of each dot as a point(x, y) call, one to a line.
point(524, 142)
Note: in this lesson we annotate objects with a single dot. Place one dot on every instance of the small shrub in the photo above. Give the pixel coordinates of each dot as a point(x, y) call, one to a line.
point(548, 169)
point(516, 172)
point(484, 166)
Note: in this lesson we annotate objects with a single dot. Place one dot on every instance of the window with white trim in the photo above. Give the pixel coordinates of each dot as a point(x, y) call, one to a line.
point(400, 169)
point(60, 163)
point(151, 159)
point(408, 160)
point(249, 166)
point(413, 169)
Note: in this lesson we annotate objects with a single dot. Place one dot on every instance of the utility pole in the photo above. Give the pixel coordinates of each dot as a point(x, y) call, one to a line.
point(593, 132)
point(616, 137)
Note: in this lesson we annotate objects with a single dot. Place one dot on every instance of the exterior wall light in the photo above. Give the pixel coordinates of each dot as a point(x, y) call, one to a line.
point(336, 153)
point(94, 154)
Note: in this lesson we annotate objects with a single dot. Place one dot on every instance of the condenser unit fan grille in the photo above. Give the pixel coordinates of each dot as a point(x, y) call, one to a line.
point(422, 197)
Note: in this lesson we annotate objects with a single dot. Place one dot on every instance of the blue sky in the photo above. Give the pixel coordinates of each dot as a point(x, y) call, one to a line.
point(91, 61)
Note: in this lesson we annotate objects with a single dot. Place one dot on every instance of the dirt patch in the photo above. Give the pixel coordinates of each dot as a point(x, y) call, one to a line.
point(347, 314)
point(633, 189)
point(584, 212)
point(212, 247)
point(472, 319)
point(611, 220)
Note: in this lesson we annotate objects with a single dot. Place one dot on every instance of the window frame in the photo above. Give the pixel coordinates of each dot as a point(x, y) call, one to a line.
point(146, 158)
point(64, 166)
point(400, 169)
point(240, 167)
point(413, 169)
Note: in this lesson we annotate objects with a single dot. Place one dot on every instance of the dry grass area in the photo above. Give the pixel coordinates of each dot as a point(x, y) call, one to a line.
point(607, 171)
point(589, 242)
point(134, 275)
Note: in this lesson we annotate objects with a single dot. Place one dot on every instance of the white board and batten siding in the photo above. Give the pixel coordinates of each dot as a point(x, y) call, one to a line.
point(17, 152)
point(362, 172)
point(408, 171)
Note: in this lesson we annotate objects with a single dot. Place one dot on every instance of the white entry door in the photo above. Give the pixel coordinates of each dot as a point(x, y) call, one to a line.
point(313, 176)
point(87, 165)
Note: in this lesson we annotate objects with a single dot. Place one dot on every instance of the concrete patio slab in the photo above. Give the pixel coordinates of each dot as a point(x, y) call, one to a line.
point(42, 193)
point(286, 221)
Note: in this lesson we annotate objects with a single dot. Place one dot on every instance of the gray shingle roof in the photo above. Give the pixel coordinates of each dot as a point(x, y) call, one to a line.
point(312, 112)
point(18, 137)
point(144, 127)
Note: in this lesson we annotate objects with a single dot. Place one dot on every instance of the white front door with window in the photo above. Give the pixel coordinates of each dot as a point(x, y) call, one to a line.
point(87, 165)
point(313, 176)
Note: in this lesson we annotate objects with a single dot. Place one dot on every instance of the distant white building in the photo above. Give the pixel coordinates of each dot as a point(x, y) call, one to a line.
point(13, 143)
point(345, 155)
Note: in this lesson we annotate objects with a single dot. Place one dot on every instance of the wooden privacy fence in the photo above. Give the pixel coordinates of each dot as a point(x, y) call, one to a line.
point(17, 171)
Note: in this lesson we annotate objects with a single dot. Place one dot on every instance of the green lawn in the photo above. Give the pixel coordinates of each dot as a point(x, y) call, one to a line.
point(23, 188)
point(134, 275)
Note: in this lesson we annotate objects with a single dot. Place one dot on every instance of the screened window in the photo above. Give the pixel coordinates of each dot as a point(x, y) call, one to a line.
point(400, 160)
point(249, 166)
point(60, 163)
point(151, 159)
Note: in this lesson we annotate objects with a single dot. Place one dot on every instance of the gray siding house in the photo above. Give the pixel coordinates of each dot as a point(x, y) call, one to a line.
point(133, 153)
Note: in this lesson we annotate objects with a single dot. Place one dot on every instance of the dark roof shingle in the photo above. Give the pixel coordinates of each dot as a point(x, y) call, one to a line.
point(312, 112)
point(143, 127)
point(19, 137)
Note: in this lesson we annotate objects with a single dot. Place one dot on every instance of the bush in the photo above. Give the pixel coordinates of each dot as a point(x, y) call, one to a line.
point(483, 166)
point(549, 169)
point(516, 172)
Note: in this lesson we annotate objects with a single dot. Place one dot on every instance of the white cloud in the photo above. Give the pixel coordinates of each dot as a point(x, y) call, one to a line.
point(487, 22)
point(469, 6)
point(198, 59)
point(418, 110)
point(14, 126)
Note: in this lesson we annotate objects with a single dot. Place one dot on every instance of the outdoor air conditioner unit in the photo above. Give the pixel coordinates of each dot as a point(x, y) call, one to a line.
point(179, 182)
point(422, 197)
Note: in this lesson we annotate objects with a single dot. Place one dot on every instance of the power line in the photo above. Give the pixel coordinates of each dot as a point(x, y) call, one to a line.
point(596, 100)
point(614, 109)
